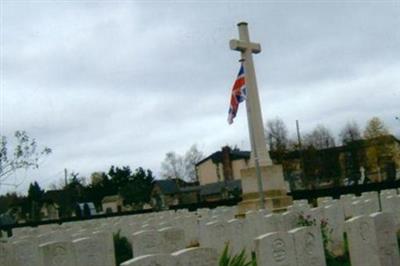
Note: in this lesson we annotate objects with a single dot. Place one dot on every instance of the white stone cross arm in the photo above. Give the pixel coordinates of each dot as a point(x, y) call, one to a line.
point(239, 45)
point(244, 41)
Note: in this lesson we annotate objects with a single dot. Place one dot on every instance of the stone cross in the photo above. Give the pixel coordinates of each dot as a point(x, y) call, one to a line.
point(254, 116)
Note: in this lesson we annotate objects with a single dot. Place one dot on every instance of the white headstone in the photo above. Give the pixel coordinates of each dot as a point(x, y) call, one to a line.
point(189, 224)
point(173, 239)
point(146, 242)
point(236, 236)
point(196, 257)
point(372, 240)
point(108, 245)
point(6, 254)
point(57, 254)
point(215, 235)
point(308, 245)
point(290, 220)
point(361, 239)
point(322, 201)
point(335, 219)
point(273, 223)
point(151, 260)
point(27, 253)
point(385, 230)
point(346, 201)
point(275, 249)
point(88, 252)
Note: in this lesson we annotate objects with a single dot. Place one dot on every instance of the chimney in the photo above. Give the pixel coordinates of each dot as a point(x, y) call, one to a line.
point(227, 163)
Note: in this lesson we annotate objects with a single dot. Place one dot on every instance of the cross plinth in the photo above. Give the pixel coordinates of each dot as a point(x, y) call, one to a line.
point(259, 151)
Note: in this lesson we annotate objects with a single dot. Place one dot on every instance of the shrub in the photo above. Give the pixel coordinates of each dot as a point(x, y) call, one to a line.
point(122, 248)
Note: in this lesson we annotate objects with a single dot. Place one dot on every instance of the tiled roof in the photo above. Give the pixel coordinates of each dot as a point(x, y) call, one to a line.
point(216, 188)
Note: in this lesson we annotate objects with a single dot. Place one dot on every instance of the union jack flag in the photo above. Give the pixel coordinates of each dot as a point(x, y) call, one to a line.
point(238, 95)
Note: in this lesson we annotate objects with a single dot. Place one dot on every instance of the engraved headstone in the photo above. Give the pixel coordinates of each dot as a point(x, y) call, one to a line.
point(372, 240)
point(308, 246)
point(275, 249)
point(362, 241)
point(57, 254)
point(334, 216)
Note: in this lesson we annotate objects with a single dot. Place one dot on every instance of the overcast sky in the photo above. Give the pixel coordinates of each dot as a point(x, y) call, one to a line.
point(122, 82)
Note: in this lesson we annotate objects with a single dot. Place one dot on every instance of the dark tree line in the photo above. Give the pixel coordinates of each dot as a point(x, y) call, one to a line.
point(133, 186)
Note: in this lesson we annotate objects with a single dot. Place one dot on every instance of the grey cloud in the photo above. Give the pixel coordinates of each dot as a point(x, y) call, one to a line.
point(124, 83)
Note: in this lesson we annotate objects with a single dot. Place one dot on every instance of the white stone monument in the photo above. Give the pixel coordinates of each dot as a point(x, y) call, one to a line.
point(263, 185)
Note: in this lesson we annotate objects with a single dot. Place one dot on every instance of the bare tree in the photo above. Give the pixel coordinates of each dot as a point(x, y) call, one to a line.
point(172, 166)
point(192, 156)
point(277, 134)
point(24, 155)
point(320, 138)
point(181, 166)
point(350, 132)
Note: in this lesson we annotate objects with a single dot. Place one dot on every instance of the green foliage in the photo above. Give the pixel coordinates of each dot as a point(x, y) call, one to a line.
point(35, 193)
point(320, 165)
point(35, 198)
point(138, 187)
point(120, 176)
point(228, 259)
point(122, 248)
point(98, 190)
point(326, 233)
point(375, 128)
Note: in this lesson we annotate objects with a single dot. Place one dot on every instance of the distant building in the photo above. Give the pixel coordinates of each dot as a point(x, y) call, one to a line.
point(172, 192)
point(50, 211)
point(85, 209)
point(221, 190)
point(112, 204)
point(372, 160)
point(224, 165)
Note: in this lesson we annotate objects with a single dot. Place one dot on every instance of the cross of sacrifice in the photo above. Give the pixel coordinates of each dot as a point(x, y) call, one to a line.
point(259, 151)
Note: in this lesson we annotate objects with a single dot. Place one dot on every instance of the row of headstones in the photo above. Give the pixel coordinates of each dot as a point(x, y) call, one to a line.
point(186, 257)
point(367, 203)
point(298, 247)
point(372, 242)
point(98, 249)
point(333, 213)
point(32, 241)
